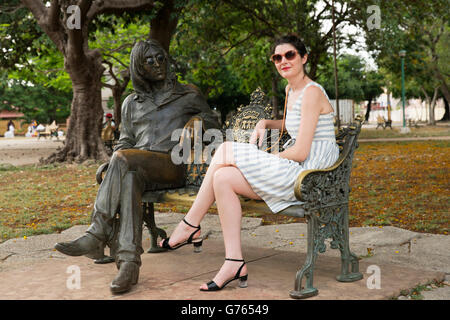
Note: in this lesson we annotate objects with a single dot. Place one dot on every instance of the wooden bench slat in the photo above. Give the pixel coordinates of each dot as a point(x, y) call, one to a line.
point(183, 197)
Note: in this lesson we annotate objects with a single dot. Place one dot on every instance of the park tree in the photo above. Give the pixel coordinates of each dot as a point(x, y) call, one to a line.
point(68, 24)
point(422, 30)
point(36, 101)
point(33, 80)
point(356, 82)
point(241, 33)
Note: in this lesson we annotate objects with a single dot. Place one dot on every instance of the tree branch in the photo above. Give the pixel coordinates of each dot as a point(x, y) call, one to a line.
point(117, 59)
point(232, 45)
point(111, 72)
point(251, 13)
point(11, 9)
point(40, 13)
point(107, 85)
point(37, 8)
point(53, 15)
point(117, 6)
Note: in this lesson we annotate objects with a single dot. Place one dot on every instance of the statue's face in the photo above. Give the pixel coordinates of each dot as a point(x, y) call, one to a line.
point(155, 64)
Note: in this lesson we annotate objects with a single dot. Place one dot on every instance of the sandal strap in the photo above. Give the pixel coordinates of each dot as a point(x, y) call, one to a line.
point(238, 273)
point(191, 237)
point(190, 225)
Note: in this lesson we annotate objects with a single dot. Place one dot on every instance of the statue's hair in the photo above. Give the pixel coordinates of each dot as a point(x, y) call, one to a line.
point(137, 60)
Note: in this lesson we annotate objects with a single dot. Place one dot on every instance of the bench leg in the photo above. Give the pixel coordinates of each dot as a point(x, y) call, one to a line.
point(308, 268)
point(149, 219)
point(348, 258)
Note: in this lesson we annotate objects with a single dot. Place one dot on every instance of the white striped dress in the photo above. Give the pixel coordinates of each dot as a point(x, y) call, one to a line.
point(273, 177)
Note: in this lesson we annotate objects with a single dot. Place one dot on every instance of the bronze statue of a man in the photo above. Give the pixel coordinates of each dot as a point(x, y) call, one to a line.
point(141, 160)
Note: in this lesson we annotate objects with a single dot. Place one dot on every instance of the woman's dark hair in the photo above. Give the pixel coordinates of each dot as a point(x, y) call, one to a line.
point(292, 39)
point(295, 41)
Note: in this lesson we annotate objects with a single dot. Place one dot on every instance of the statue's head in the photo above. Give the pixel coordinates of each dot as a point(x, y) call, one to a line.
point(149, 63)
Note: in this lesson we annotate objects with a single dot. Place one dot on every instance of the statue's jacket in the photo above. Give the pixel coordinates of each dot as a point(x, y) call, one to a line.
point(148, 125)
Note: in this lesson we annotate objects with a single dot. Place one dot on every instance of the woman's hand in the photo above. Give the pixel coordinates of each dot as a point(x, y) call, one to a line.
point(258, 133)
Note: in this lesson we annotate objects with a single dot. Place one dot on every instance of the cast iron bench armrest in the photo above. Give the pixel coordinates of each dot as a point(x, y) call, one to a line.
point(330, 186)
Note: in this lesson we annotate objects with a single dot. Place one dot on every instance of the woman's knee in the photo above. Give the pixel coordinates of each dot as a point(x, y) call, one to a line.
point(222, 178)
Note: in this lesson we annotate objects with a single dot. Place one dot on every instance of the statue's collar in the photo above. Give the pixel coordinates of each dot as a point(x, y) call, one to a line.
point(168, 96)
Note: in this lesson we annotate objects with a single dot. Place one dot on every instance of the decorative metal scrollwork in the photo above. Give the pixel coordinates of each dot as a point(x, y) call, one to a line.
point(330, 224)
point(246, 118)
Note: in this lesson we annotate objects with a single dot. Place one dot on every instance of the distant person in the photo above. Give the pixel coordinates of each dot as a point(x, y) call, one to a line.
point(108, 128)
point(11, 123)
point(29, 133)
point(34, 128)
point(11, 129)
point(109, 121)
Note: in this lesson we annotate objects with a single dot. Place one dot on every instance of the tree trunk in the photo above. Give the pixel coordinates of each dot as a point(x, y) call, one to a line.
point(369, 107)
point(117, 96)
point(164, 24)
point(432, 107)
point(446, 116)
point(83, 138)
point(388, 94)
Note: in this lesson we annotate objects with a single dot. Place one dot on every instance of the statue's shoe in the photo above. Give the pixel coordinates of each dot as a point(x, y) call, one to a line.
point(86, 245)
point(127, 277)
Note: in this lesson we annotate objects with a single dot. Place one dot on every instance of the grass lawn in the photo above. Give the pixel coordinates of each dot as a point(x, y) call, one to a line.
point(403, 184)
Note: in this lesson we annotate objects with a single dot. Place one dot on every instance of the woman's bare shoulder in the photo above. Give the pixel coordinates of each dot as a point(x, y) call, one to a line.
point(315, 97)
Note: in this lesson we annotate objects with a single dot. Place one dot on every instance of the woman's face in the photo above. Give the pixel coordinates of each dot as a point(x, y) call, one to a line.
point(289, 68)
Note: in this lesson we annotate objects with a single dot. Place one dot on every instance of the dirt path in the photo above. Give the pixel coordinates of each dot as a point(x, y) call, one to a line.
point(23, 151)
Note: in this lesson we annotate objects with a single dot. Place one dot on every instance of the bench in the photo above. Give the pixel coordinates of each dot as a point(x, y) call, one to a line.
point(413, 123)
point(382, 122)
point(325, 194)
point(50, 131)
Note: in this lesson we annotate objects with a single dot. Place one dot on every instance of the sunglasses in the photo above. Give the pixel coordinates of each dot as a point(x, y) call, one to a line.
point(152, 60)
point(290, 55)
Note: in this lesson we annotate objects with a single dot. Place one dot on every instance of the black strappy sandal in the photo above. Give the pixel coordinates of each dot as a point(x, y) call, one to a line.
point(212, 286)
point(196, 242)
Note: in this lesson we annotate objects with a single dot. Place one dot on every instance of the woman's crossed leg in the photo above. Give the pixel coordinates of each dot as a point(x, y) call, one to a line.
point(223, 182)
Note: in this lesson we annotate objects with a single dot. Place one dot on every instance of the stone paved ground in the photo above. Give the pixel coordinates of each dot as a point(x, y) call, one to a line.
point(31, 269)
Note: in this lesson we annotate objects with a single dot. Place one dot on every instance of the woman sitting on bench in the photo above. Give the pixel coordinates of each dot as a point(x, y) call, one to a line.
point(243, 169)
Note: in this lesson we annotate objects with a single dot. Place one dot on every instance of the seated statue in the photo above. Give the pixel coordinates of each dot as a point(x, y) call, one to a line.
point(141, 160)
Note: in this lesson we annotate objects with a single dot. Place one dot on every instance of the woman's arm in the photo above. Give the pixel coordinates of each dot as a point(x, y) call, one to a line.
point(310, 111)
point(273, 124)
